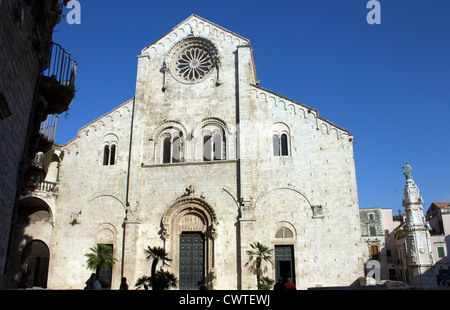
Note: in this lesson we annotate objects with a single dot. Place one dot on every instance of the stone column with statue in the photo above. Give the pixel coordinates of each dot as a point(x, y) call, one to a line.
point(417, 236)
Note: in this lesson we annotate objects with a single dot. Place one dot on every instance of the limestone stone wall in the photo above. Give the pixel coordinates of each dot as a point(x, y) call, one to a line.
point(18, 78)
point(91, 200)
point(306, 199)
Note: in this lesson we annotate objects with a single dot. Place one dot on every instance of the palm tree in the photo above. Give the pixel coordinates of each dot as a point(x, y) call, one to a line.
point(144, 282)
point(157, 254)
point(257, 256)
point(266, 283)
point(164, 280)
point(101, 256)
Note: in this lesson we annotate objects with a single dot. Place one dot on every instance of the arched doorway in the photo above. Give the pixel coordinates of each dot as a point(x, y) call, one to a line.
point(34, 264)
point(189, 234)
point(29, 243)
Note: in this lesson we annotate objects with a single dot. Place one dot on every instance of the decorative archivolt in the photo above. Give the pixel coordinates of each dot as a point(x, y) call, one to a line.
point(176, 125)
point(211, 121)
point(170, 127)
point(189, 214)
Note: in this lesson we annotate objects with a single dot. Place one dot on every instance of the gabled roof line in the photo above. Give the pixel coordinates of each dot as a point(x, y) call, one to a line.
point(203, 19)
point(97, 119)
point(304, 106)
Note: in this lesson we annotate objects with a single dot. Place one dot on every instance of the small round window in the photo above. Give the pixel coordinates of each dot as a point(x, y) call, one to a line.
point(192, 59)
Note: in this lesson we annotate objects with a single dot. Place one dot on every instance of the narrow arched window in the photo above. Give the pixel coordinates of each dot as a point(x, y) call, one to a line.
point(106, 155)
point(217, 147)
point(207, 148)
point(166, 151)
point(112, 159)
point(276, 145)
point(176, 150)
point(284, 145)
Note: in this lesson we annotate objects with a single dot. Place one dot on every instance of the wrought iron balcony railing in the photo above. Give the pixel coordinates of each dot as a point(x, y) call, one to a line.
point(45, 186)
point(61, 66)
point(48, 127)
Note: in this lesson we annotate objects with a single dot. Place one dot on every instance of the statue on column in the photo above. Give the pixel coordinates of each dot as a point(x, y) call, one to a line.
point(407, 171)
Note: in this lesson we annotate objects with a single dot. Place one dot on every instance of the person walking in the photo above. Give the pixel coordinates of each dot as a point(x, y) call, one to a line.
point(90, 282)
point(97, 284)
point(289, 285)
point(279, 286)
point(123, 284)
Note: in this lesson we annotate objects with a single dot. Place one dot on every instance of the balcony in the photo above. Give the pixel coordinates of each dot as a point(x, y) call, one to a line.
point(57, 85)
point(48, 128)
point(46, 186)
point(47, 132)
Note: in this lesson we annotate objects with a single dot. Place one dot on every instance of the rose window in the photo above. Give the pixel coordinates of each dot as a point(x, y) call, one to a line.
point(194, 63)
point(192, 59)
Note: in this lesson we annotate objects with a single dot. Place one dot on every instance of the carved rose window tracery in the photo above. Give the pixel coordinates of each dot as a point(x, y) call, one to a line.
point(192, 59)
point(194, 63)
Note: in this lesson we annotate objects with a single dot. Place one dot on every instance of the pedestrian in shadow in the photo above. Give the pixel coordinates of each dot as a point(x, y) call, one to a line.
point(289, 285)
point(123, 284)
point(279, 286)
point(90, 282)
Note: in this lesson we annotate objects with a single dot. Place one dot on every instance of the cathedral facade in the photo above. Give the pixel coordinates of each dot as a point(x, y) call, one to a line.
point(204, 162)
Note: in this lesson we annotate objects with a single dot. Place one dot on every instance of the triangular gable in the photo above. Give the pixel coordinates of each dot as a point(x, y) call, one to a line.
point(123, 109)
point(193, 25)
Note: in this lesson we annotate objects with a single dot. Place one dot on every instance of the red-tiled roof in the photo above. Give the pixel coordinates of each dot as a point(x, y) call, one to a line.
point(441, 204)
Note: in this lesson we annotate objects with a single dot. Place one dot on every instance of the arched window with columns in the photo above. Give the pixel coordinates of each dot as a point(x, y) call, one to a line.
point(110, 142)
point(281, 139)
point(214, 141)
point(170, 145)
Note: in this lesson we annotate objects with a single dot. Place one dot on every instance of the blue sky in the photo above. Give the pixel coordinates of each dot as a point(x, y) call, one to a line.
point(388, 84)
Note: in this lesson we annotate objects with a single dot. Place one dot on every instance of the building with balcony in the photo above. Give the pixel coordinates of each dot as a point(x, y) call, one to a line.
point(36, 83)
point(203, 162)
